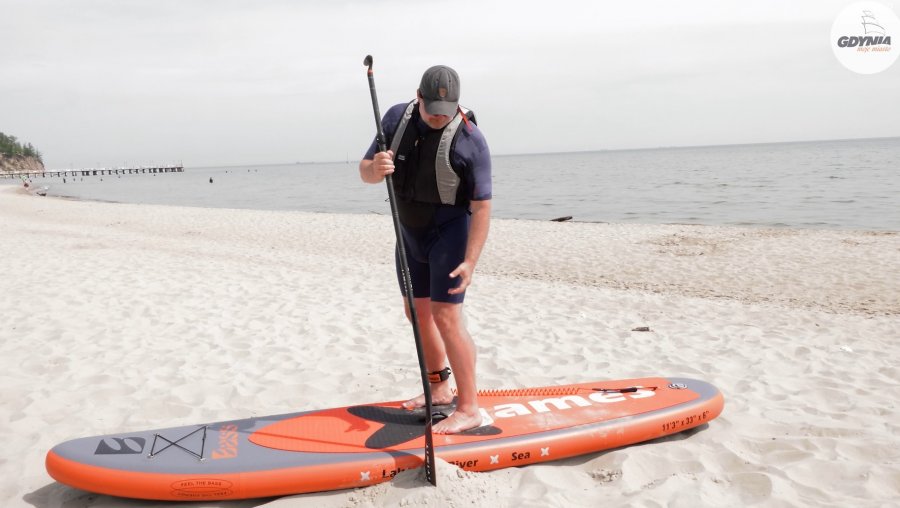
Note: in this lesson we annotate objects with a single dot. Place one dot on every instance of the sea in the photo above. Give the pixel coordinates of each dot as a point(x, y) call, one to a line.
point(846, 184)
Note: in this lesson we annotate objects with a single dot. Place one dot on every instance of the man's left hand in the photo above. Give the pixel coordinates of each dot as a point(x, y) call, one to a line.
point(464, 272)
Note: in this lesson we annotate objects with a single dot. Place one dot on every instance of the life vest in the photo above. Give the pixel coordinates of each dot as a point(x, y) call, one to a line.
point(422, 169)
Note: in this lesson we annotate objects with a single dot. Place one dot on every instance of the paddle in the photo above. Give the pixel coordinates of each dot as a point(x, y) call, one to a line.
point(407, 283)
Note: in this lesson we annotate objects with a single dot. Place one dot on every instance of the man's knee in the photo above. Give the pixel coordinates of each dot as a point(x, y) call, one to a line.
point(447, 316)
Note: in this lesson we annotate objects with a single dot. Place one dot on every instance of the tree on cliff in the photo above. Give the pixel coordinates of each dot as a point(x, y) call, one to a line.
point(10, 146)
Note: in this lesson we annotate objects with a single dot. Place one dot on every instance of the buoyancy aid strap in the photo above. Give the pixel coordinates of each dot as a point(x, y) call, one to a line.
point(465, 117)
point(401, 127)
point(447, 179)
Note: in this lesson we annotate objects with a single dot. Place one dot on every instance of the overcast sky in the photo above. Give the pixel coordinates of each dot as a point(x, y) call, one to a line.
point(213, 82)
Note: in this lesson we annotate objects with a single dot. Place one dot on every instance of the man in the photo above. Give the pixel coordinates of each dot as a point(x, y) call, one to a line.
point(441, 170)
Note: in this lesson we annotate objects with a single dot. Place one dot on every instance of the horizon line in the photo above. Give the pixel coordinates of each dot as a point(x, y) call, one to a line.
point(595, 150)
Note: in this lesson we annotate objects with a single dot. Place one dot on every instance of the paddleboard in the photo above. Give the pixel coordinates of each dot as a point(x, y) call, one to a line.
point(356, 446)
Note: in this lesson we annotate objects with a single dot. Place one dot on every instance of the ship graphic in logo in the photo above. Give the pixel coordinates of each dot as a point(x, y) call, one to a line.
point(870, 24)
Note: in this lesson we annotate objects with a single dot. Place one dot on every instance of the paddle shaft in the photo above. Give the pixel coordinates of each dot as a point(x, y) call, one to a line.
point(407, 284)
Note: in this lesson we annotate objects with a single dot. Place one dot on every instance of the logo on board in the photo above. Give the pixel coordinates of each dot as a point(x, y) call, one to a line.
point(120, 446)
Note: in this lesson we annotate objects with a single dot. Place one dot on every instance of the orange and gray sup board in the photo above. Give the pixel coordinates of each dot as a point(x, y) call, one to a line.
point(362, 445)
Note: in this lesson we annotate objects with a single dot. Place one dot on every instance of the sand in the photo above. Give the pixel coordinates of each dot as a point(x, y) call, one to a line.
point(118, 317)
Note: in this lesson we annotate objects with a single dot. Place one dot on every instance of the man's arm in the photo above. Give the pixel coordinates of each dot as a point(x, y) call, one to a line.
point(478, 233)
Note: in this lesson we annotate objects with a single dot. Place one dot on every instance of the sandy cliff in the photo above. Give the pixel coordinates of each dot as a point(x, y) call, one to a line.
point(19, 163)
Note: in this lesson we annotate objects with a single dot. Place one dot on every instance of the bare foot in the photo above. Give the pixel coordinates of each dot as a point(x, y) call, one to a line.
point(457, 422)
point(441, 394)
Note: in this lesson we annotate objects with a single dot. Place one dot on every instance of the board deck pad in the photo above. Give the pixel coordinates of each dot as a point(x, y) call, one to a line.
point(362, 445)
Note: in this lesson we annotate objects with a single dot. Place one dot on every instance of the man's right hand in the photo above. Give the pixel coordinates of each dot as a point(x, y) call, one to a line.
point(383, 164)
point(374, 171)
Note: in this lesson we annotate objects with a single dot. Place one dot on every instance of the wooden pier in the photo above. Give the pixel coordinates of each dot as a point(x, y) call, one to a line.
point(93, 172)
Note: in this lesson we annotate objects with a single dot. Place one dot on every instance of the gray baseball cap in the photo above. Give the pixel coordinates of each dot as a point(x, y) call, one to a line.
point(440, 90)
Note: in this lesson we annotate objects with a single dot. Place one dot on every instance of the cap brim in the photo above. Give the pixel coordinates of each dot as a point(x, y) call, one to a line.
point(441, 107)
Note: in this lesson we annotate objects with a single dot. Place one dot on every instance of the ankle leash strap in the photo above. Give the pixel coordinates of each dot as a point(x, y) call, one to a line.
point(439, 376)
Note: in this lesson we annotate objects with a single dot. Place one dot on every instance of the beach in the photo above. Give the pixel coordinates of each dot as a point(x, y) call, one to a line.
point(122, 316)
